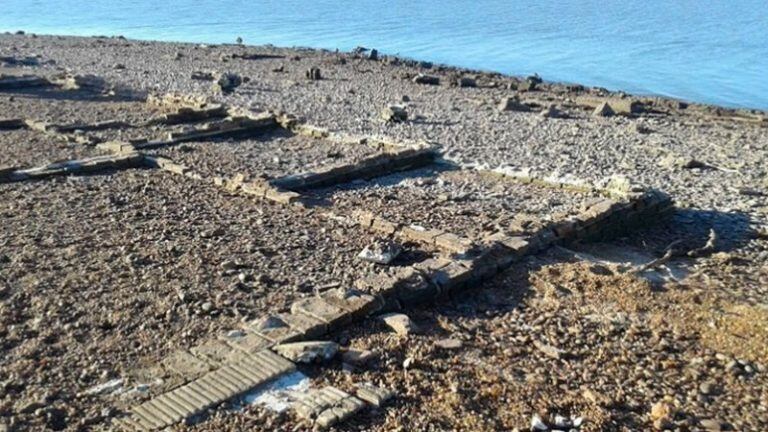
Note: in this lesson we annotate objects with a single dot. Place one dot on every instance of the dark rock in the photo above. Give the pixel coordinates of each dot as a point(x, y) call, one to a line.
point(313, 74)
point(395, 114)
point(426, 79)
point(552, 112)
point(227, 82)
point(202, 76)
point(56, 419)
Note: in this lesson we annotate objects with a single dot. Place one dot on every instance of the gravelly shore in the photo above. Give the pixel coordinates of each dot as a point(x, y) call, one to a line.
point(554, 335)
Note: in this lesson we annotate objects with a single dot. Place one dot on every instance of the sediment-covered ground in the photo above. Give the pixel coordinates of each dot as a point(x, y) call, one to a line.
point(466, 203)
point(103, 272)
point(272, 154)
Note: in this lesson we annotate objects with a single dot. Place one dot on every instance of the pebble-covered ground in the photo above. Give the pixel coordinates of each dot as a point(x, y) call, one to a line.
point(549, 337)
point(23, 148)
point(101, 273)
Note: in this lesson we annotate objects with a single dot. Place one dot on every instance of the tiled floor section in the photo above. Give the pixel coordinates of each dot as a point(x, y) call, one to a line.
point(211, 389)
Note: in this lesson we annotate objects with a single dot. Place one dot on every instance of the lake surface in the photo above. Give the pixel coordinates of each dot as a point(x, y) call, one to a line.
point(706, 51)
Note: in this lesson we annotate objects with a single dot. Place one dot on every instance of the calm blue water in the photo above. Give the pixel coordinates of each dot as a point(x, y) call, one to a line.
point(708, 51)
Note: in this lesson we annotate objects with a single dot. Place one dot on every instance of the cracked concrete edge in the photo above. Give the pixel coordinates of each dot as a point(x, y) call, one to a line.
point(77, 166)
point(616, 186)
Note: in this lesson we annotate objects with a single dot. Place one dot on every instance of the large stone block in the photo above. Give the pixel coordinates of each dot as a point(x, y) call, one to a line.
point(420, 234)
point(356, 303)
point(318, 308)
point(453, 243)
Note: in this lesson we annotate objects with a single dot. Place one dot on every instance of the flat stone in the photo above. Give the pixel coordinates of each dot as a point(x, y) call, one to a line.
point(400, 323)
point(426, 79)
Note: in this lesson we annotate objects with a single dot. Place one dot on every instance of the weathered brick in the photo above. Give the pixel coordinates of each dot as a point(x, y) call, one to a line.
point(318, 308)
point(419, 234)
point(453, 243)
point(375, 396)
point(384, 227)
point(356, 303)
point(326, 407)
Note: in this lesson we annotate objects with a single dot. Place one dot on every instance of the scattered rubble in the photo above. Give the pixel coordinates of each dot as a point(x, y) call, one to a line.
point(394, 114)
point(381, 252)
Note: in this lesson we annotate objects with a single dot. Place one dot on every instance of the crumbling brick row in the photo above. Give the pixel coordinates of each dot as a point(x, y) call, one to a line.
point(311, 131)
point(12, 123)
point(325, 407)
point(174, 101)
point(373, 166)
point(316, 307)
point(355, 303)
point(224, 129)
point(14, 82)
point(88, 165)
point(446, 241)
point(189, 115)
